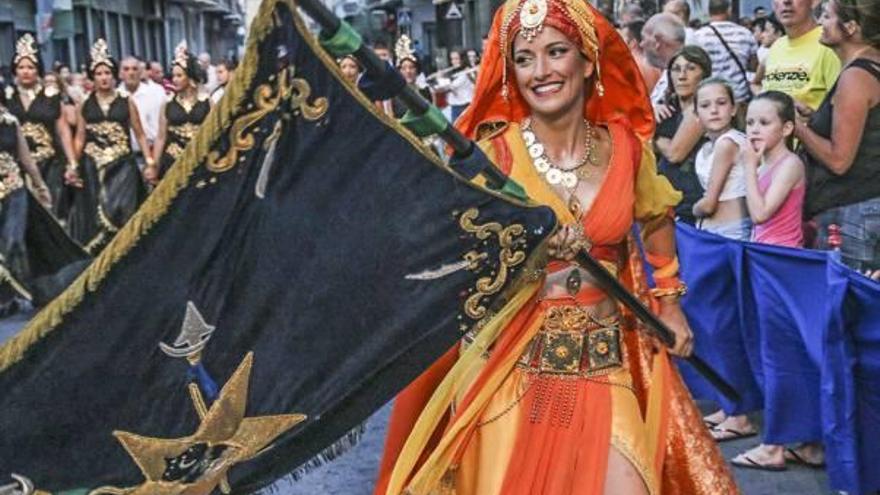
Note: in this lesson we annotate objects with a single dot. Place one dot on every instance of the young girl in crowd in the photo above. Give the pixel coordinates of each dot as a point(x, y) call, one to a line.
point(775, 187)
point(722, 209)
point(774, 174)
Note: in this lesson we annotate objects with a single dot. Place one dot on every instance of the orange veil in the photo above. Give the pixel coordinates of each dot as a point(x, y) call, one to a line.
point(625, 95)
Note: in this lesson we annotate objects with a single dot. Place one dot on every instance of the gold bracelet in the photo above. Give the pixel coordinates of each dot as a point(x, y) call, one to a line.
point(72, 166)
point(676, 292)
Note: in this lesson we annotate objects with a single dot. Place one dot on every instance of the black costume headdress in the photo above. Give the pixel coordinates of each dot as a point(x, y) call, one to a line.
point(26, 48)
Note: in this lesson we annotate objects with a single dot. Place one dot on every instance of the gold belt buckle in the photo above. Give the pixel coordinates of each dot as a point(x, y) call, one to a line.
point(561, 352)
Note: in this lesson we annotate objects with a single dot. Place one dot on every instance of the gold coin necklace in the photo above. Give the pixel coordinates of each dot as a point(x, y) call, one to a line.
point(553, 174)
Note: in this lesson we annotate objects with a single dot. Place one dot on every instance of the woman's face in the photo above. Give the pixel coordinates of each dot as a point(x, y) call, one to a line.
point(764, 126)
point(104, 79)
point(832, 32)
point(349, 69)
point(50, 81)
point(686, 76)
point(26, 72)
point(222, 74)
point(550, 73)
point(409, 71)
point(455, 59)
point(770, 35)
point(179, 78)
point(473, 58)
point(715, 109)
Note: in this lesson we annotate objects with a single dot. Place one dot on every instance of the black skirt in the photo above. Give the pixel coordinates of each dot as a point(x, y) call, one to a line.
point(52, 171)
point(109, 197)
point(38, 259)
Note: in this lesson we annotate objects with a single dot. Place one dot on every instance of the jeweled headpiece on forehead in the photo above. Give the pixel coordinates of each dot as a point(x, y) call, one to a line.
point(26, 49)
point(101, 55)
point(527, 18)
point(181, 55)
point(403, 50)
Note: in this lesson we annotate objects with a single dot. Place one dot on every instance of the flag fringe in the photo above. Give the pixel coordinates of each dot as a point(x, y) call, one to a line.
point(338, 448)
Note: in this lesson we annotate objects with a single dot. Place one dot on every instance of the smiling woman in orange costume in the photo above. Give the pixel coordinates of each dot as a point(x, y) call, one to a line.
point(559, 393)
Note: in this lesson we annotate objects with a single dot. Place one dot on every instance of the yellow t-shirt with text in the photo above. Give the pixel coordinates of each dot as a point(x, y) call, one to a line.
point(802, 67)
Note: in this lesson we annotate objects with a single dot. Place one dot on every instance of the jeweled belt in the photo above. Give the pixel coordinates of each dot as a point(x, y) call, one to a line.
point(574, 342)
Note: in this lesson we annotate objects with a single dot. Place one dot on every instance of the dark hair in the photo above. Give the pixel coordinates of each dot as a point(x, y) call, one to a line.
point(634, 29)
point(693, 54)
point(718, 7)
point(38, 63)
point(785, 108)
point(865, 13)
point(230, 63)
point(774, 21)
point(193, 69)
point(109, 63)
point(713, 81)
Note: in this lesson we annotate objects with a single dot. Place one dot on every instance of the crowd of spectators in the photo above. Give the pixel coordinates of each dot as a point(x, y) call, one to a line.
point(770, 127)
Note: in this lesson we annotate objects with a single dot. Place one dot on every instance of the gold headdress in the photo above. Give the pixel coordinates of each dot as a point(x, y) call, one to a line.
point(181, 55)
point(403, 50)
point(100, 55)
point(26, 49)
point(529, 17)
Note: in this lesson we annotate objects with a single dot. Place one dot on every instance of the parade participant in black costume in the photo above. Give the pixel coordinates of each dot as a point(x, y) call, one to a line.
point(184, 112)
point(37, 259)
point(38, 109)
point(112, 185)
point(411, 70)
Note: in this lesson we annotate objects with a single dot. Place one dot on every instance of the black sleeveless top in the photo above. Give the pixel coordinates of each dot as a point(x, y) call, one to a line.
point(38, 122)
point(182, 123)
point(861, 182)
point(107, 132)
point(10, 174)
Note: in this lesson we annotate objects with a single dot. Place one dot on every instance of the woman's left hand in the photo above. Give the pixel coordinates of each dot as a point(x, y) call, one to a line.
point(43, 196)
point(672, 315)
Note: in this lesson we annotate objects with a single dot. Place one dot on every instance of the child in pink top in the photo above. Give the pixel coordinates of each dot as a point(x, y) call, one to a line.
point(775, 185)
point(774, 175)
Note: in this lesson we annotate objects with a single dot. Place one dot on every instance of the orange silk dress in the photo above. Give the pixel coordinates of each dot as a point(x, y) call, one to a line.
point(495, 426)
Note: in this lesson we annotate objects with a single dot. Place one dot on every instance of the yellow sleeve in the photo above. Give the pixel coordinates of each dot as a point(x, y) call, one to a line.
point(830, 66)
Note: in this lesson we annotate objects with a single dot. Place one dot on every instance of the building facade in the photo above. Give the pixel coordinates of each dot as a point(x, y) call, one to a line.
point(150, 29)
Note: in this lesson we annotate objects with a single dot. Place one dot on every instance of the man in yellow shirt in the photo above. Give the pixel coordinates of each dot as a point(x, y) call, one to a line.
point(797, 63)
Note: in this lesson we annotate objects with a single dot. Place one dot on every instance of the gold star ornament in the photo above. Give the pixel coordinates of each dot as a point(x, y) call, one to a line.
point(196, 464)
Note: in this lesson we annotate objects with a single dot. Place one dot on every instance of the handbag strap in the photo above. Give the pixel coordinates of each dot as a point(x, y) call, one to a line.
point(736, 59)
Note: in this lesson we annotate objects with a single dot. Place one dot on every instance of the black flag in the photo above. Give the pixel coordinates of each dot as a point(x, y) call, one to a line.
point(302, 262)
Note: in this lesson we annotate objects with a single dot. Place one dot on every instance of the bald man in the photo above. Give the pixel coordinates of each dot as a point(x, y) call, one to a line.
point(662, 36)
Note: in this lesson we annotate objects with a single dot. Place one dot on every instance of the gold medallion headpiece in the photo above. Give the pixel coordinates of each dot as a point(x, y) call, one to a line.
point(528, 18)
point(26, 49)
point(181, 55)
point(100, 55)
point(403, 50)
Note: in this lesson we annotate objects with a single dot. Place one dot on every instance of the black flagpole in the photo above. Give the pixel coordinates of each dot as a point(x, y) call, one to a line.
point(463, 147)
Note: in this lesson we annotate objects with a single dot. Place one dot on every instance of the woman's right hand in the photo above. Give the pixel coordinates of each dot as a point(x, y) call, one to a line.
point(804, 112)
point(566, 243)
point(151, 174)
point(663, 112)
point(72, 178)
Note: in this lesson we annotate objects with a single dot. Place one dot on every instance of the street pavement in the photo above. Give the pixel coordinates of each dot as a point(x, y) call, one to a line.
point(355, 472)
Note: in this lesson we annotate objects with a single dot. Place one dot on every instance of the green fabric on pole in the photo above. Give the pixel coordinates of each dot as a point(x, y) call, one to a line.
point(512, 188)
point(344, 42)
point(426, 124)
